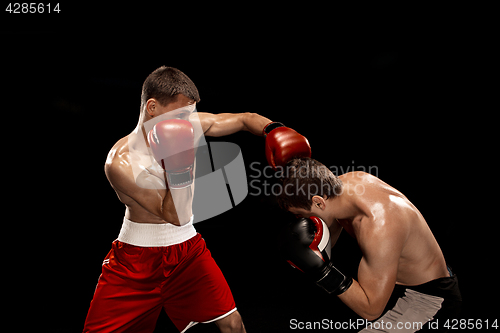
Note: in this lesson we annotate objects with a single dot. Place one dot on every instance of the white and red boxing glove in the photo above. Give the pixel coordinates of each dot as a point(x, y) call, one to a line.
point(283, 144)
point(172, 143)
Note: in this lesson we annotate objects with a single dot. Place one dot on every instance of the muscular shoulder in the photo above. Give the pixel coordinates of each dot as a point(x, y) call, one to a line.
point(117, 166)
point(383, 209)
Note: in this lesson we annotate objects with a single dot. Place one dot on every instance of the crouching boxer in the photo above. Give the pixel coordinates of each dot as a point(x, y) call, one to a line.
point(400, 254)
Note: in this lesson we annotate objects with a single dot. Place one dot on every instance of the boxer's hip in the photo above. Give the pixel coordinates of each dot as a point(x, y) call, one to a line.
point(155, 235)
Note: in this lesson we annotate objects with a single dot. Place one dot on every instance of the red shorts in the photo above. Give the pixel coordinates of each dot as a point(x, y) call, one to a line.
point(137, 282)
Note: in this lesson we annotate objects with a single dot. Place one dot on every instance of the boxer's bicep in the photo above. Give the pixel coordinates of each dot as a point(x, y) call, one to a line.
point(221, 124)
point(377, 272)
point(228, 123)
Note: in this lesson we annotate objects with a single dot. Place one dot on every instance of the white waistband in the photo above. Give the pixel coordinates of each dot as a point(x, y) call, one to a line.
point(151, 234)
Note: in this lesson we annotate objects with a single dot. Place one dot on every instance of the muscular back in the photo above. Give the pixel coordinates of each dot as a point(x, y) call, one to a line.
point(386, 216)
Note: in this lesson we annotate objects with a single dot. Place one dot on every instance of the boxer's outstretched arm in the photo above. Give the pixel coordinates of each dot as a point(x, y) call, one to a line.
point(229, 123)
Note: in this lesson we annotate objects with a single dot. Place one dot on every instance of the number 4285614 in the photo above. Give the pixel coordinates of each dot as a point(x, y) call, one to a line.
point(32, 8)
point(455, 324)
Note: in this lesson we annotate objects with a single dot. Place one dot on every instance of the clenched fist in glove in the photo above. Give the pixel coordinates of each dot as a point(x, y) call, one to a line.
point(172, 143)
point(283, 144)
point(307, 247)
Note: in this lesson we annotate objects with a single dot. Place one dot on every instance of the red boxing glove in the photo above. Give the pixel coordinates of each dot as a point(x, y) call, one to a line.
point(172, 143)
point(283, 144)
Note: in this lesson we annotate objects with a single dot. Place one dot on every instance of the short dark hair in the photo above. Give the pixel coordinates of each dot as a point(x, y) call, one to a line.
point(304, 178)
point(164, 83)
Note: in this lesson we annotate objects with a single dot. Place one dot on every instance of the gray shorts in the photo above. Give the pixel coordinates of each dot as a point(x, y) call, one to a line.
point(421, 308)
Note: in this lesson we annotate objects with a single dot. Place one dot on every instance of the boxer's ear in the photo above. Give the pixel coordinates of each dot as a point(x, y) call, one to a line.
point(151, 107)
point(318, 202)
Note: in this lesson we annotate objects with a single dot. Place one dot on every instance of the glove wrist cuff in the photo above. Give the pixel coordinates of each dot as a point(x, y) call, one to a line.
point(269, 127)
point(180, 178)
point(334, 282)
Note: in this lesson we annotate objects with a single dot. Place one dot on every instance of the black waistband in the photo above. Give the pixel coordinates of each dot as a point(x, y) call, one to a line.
point(446, 287)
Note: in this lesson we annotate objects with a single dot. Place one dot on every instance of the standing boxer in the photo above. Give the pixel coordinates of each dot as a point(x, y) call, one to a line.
point(158, 260)
point(400, 253)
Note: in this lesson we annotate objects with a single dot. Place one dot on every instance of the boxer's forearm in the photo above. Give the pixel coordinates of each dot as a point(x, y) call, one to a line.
point(356, 298)
point(254, 123)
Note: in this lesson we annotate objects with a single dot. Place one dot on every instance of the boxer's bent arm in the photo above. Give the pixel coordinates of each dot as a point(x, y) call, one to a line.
point(156, 201)
point(381, 246)
point(229, 123)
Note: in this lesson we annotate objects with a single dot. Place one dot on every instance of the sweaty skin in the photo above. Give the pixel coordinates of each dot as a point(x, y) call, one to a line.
point(153, 202)
point(397, 245)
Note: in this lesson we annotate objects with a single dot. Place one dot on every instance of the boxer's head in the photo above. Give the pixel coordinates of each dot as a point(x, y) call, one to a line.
point(167, 89)
point(307, 183)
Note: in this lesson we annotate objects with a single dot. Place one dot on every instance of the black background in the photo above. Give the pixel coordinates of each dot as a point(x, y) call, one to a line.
point(398, 90)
